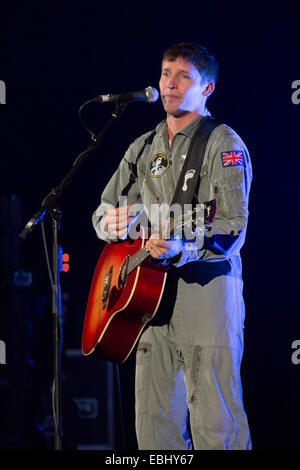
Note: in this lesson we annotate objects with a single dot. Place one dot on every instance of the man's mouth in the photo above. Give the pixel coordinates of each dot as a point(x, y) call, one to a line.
point(171, 97)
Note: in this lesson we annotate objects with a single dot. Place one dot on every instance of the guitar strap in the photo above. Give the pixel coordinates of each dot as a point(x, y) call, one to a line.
point(189, 179)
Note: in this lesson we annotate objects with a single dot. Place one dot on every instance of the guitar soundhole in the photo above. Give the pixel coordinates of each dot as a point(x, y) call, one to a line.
point(106, 287)
point(123, 273)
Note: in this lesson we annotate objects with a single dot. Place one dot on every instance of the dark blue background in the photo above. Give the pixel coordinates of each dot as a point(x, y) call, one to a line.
point(55, 58)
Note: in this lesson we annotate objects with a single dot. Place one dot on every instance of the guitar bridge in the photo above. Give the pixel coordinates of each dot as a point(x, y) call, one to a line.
point(106, 287)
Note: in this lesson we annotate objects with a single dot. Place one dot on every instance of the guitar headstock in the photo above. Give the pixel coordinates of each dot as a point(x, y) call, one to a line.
point(192, 223)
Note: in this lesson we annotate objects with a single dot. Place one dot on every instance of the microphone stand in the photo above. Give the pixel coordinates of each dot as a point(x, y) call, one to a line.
point(50, 206)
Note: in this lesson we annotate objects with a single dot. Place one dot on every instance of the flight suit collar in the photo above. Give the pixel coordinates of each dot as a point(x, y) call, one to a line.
point(188, 131)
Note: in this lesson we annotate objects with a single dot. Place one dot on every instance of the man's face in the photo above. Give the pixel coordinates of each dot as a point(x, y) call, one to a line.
point(180, 88)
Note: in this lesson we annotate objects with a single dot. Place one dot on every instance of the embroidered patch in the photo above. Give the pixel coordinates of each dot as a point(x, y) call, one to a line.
point(189, 174)
point(159, 164)
point(233, 158)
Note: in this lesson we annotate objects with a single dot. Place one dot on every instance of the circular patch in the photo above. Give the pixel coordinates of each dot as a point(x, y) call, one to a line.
point(159, 164)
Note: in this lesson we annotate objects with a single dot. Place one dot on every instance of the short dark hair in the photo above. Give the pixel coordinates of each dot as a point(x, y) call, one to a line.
point(198, 55)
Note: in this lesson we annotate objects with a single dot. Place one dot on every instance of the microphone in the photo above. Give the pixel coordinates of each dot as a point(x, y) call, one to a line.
point(149, 94)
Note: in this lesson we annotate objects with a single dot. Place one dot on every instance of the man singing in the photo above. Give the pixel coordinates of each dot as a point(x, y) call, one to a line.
point(188, 384)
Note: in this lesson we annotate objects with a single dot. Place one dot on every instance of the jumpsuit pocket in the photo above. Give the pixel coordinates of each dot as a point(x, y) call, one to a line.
point(230, 198)
point(142, 376)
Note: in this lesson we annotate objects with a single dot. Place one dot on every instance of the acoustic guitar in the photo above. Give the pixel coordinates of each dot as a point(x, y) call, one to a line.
point(126, 290)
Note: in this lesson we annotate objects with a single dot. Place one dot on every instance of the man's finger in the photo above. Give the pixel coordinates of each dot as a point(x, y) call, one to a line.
point(118, 212)
point(116, 220)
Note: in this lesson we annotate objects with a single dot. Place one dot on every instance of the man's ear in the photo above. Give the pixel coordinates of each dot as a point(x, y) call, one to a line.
point(209, 89)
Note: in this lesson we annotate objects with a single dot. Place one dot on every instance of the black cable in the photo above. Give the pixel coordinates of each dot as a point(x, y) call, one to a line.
point(84, 125)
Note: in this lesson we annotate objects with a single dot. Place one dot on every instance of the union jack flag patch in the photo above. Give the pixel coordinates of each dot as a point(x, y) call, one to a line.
point(233, 158)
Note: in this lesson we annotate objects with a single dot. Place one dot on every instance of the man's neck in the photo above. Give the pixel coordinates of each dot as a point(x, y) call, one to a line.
point(175, 124)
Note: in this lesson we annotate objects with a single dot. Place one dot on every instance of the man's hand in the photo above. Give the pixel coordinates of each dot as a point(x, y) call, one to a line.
point(163, 249)
point(116, 221)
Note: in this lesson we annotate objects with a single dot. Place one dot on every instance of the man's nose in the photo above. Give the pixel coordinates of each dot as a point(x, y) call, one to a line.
point(172, 82)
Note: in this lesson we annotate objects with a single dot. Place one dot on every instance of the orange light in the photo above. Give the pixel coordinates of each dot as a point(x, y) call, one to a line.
point(66, 267)
point(66, 257)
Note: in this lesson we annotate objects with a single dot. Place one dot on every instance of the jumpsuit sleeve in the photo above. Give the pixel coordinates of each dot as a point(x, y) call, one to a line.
point(229, 185)
point(121, 190)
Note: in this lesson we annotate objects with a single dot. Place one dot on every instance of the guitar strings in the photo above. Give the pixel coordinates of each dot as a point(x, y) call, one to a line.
point(143, 253)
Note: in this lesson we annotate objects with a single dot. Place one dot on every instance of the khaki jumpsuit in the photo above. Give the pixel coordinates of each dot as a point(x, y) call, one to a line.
point(188, 384)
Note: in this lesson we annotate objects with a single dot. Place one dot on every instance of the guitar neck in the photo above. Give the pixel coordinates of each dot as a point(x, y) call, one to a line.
point(204, 219)
point(137, 259)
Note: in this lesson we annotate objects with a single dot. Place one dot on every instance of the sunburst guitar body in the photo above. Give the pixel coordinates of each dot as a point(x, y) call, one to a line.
point(126, 290)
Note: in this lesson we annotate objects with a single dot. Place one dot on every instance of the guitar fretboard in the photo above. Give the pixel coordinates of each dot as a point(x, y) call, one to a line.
point(137, 259)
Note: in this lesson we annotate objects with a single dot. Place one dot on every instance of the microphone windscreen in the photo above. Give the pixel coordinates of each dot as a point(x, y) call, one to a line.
point(152, 94)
